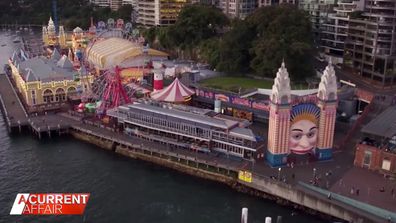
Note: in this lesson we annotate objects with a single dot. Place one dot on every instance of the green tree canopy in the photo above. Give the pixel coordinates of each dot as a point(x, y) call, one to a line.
point(265, 38)
point(284, 32)
point(195, 24)
point(234, 48)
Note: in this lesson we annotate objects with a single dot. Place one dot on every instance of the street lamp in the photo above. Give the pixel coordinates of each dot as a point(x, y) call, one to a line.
point(279, 173)
point(314, 175)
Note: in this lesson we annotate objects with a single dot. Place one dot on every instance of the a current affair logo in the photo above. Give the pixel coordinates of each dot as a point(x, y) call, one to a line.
point(50, 204)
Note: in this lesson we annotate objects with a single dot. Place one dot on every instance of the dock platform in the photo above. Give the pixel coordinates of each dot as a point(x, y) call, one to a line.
point(11, 106)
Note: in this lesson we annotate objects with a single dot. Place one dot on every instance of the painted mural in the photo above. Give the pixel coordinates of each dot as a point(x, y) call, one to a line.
point(304, 120)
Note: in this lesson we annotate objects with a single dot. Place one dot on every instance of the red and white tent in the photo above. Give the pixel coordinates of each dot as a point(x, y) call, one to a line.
point(175, 92)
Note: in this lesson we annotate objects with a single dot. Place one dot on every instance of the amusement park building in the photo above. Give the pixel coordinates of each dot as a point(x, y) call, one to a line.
point(52, 37)
point(184, 128)
point(110, 52)
point(377, 150)
point(43, 80)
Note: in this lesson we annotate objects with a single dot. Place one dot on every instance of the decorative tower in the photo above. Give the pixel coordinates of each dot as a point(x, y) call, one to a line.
point(92, 29)
point(279, 119)
point(158, 80)
point(62, 37)
point(51, 27)
point(327, 95)
point(45, 36)
point(70, 55)
point(52, 39)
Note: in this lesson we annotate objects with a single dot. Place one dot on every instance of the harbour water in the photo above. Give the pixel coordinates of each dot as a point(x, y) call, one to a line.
point(122, 189)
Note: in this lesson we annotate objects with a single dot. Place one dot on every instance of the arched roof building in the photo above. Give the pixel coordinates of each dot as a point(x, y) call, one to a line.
point(111, 52)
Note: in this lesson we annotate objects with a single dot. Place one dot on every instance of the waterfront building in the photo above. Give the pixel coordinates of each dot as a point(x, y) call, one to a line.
point(50, 35)
point(263, 3)
point(159, 12)
point(305, 128)
point(377, 149)
point(100, 3)
point(45, 81)
point(370, 46)
point(186, 127)
point(113, 4)
point(122, 53)
point(334, 30)
point(237, 8)
point(134, 3)
point(318, 11)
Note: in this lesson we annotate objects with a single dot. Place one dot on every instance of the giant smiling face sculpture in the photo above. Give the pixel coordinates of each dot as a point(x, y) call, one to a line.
point(303, 129)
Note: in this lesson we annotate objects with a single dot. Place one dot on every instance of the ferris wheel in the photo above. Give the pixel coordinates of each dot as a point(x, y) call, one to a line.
point(87, 91)
point(111, 91)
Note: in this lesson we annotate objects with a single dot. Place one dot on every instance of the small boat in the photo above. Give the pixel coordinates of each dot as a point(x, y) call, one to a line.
point(3, 44)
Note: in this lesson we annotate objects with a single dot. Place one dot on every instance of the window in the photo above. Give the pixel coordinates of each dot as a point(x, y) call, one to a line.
point(386, 164)
point(367, 159)
point(33, 97)
point(48, 96)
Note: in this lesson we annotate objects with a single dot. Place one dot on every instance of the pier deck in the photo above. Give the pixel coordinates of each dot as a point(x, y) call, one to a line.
point(12, 108)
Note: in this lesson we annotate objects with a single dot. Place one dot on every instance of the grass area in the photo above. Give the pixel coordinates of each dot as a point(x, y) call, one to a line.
point(234, 83)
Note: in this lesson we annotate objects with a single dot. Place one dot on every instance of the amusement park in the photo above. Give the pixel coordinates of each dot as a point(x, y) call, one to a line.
point(107, 86)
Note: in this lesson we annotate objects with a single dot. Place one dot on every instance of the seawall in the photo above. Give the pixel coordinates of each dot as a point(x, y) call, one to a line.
point(295, 196)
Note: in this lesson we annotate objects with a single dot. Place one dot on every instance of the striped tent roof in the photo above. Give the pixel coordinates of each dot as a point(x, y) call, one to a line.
point(176, 92)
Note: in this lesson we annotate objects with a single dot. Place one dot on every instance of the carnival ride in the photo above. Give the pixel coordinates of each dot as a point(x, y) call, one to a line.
point(109, 88)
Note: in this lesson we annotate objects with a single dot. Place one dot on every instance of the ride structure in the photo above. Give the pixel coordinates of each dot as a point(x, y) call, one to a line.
point(111, 90)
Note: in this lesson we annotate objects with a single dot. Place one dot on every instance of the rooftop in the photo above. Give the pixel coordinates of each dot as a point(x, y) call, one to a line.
point(383, 125)
point(113, 51)
point(40, 68)
point(197, 116)
point(189, 116)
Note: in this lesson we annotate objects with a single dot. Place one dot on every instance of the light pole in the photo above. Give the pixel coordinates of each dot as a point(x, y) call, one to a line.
point(279, 173)
point(314, 175)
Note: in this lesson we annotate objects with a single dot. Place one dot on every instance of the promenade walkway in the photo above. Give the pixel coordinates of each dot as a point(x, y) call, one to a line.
point(14, 111)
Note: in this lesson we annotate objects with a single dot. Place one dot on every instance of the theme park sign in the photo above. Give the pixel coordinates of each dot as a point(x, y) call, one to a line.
point(241, 101)
point(262, 105)
point(222, 97)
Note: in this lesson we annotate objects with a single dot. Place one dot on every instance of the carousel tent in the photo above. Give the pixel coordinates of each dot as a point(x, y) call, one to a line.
point(175, 92)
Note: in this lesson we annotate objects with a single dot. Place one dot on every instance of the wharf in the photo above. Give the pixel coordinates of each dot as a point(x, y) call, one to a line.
point(210, 166)
point(11, 106)
point(48, 124)
point(225, 170)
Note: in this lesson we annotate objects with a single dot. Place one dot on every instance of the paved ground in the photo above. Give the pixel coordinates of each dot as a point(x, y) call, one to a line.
point(14, 108)
point(369, 184)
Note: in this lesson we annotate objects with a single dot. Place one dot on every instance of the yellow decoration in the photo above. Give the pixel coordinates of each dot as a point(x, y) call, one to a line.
point(245, 176)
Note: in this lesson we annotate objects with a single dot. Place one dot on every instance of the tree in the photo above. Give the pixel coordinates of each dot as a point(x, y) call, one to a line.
point(283, 32)
point(125, 12)
point(234, 48)
point(195, 24)
point(209, 51)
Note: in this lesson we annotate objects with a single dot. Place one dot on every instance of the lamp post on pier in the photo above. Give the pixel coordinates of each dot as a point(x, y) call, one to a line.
point(314, 176)
point(279, 173)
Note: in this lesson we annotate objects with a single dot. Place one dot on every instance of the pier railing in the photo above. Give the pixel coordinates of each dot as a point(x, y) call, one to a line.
point(376, 211)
